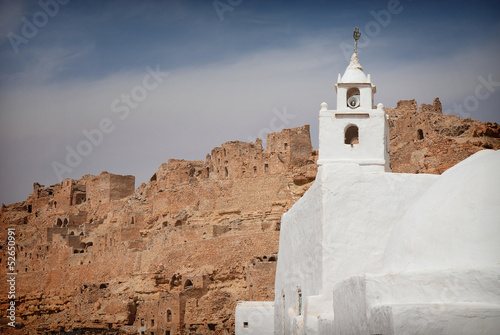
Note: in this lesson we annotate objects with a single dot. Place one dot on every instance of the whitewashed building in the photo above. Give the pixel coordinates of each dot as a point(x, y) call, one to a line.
point(368, 251)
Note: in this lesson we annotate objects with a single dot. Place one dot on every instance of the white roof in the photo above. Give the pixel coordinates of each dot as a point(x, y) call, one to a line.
point(455, 223)
point(354, 72)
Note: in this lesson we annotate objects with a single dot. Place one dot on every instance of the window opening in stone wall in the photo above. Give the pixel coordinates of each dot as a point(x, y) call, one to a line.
point(254, 169)
point(227, 172)
point(351, 135)
point(29, 208)
point(188, 283)
point(211, 326)
point(420, 134)
point(266, 167)
point(208, 171)
point(152, 322)
point(59, 222)
point(169, 315)
point(65, 222)
point(245, 324)
point(167, 332)
point(286, 146)
point(55, 204)
point(80, 198)
point(224, 152)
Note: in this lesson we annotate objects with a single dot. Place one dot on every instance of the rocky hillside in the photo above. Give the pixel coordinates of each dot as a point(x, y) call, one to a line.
point(173, 256)
point(423, 140)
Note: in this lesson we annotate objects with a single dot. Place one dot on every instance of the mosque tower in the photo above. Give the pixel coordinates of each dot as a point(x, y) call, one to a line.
point(356, 132)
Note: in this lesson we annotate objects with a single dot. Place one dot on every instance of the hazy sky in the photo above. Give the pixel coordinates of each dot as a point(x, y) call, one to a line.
point(74, 70)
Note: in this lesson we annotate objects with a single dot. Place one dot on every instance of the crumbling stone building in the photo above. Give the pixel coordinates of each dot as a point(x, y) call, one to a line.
point(175, 254)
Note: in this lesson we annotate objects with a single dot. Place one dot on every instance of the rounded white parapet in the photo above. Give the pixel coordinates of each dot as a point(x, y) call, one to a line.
point(454, 224)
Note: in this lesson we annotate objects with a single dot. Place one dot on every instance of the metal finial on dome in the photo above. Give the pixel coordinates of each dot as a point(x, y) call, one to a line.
point(356, 36)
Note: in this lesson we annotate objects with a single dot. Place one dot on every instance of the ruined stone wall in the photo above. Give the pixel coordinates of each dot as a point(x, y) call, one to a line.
point(260, 276)
point(423, 140)
point(106, 187)
point(180, 243)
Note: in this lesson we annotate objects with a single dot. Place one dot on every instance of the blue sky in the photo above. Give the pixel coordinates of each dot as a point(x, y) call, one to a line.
point(234, 73)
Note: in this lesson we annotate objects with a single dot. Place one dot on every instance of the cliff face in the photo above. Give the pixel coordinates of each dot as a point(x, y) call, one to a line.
point(423, 140)
point(174, 255)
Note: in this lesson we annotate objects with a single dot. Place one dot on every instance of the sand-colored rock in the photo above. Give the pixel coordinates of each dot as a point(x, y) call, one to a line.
point(177, 253)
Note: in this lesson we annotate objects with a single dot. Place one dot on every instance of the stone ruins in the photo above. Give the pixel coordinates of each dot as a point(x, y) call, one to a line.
point(174, 255)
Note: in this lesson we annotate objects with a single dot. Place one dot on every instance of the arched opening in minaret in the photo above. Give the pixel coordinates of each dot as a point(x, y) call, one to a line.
point(353, 97)
point(351, 135)
point(420, 134)
point(169, 315)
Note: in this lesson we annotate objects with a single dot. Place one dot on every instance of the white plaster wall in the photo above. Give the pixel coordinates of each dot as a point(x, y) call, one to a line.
point(318, 314)
point(299, 258)
point(461, 301)
point(445, 319)
point(365, 96)
point(341, 97)
point(455, 223)
point(372, 148)
point(259, 316)
point(360, 210)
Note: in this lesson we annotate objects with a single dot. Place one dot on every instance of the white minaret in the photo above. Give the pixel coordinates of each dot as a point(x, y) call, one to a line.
point(356, 132)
